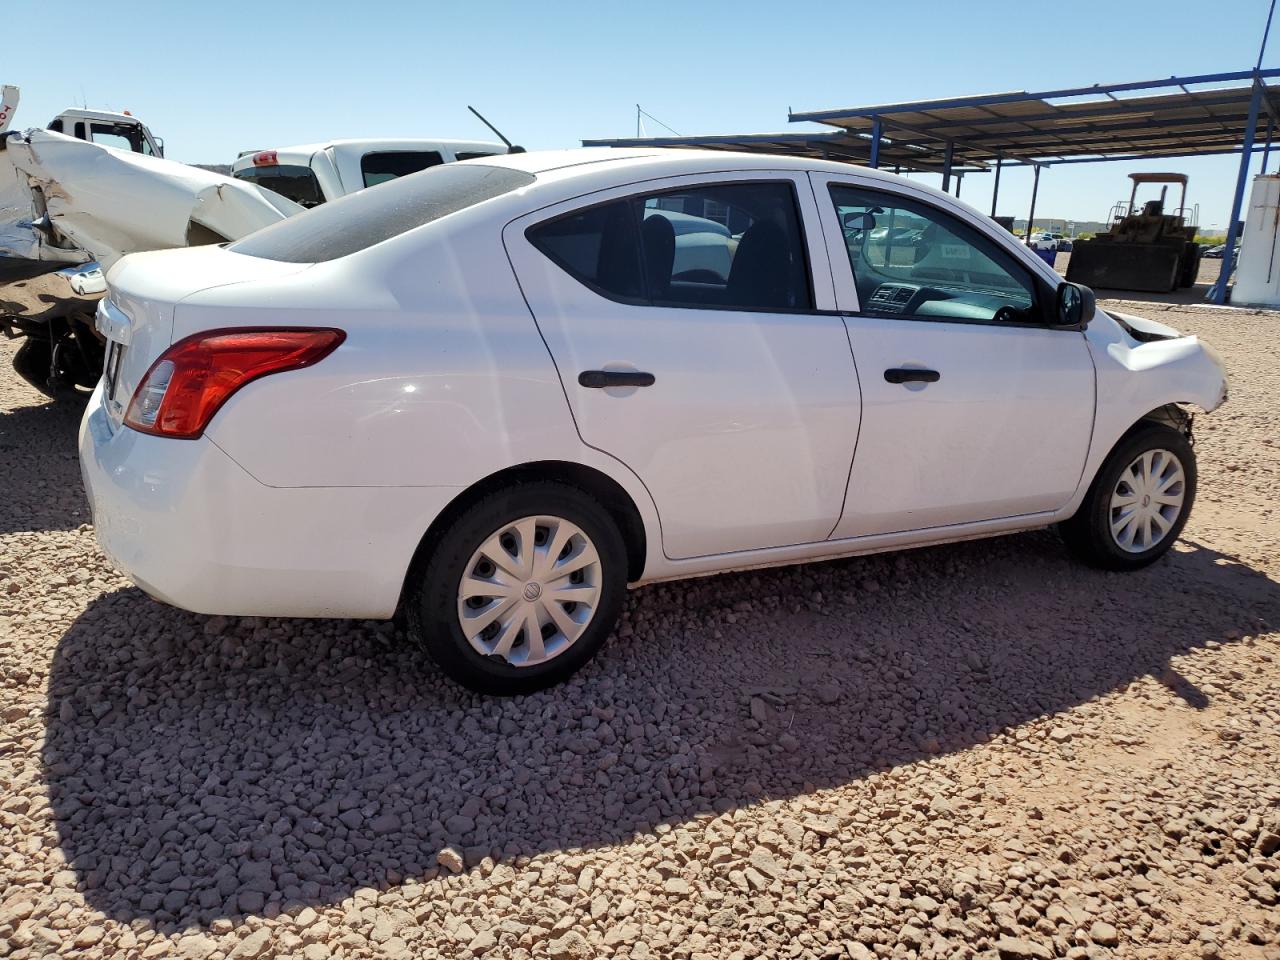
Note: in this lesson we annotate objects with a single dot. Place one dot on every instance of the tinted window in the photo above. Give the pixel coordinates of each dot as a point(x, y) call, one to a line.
point(912, 259)
point(378, 168)
point(296, 182)
point(464, 155)
point(600, 246)
point(361, 219)
point(733, 246)
point(119, 135)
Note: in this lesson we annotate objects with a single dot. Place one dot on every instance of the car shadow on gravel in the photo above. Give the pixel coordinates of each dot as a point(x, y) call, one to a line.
point(40, 485)
point(200, 768)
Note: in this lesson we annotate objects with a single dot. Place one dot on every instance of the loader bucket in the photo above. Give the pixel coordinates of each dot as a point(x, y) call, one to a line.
point(1125, 266)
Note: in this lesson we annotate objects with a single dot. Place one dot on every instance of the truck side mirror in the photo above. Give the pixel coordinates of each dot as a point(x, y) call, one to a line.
point(1075, 305)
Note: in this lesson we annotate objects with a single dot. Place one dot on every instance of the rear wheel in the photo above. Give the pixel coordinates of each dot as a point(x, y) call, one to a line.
point(1138, 503)
point(521, 590)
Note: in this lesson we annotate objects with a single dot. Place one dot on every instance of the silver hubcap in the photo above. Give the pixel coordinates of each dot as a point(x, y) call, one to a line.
point(530, 591)
point(1147, 501)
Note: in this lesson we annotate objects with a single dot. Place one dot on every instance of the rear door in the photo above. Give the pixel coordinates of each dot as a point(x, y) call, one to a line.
point(692, 323)
point(974, 408)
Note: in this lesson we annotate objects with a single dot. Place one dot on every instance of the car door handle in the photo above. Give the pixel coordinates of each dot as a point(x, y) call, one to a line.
point(598, 379)
point(911, 375)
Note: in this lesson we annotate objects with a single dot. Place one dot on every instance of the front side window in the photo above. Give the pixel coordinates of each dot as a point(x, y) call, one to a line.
point(914, 260)
point(728, 246)
point(378, 168)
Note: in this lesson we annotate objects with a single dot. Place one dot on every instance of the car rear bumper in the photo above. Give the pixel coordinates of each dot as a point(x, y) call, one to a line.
point(194, 529)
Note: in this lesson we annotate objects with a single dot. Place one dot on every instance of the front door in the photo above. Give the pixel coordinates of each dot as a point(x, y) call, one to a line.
point(974, 408)
point(692, 322)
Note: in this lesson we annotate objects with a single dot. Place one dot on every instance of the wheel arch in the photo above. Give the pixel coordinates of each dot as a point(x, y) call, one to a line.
point(607, 491)
point(1178, 414)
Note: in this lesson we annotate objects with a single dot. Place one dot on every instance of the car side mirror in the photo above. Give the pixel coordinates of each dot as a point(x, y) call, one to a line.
point(1075, 305)
point(859, 221)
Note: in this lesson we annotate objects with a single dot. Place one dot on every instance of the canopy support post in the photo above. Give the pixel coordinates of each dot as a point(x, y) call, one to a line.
point(1218, 292)
point(995, 190)
point(1035, 188)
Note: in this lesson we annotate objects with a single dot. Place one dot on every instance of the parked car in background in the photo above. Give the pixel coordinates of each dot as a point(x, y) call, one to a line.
point(311, 174)
point(1048, 241)
point(1217, 252)
point(490, 396)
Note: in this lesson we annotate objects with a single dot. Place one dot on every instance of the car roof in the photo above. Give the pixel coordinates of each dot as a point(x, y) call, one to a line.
point(605, 163)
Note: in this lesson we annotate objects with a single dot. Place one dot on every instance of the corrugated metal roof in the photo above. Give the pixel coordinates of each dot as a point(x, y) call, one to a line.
point(1038, 129)
point(1072, 125)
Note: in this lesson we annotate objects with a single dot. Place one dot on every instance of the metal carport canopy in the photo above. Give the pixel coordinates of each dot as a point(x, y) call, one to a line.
point(1032, 127)
point(1073, 125)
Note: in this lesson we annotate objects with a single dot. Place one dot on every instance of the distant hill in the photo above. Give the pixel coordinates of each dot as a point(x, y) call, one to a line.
point(222, 168)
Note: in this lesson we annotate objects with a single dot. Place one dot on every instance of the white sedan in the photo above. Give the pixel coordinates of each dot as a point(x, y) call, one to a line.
point(492, 394)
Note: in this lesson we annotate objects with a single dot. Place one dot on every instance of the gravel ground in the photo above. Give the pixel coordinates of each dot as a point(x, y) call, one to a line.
point(980, 750)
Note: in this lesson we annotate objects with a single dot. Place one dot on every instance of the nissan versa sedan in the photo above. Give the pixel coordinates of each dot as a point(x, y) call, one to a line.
point(492, 394)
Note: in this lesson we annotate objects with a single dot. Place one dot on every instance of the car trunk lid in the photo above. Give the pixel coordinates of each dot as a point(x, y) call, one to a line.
point(143, 290)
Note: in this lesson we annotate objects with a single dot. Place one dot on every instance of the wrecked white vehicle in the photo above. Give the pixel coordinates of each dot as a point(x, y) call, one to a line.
point(69, 209)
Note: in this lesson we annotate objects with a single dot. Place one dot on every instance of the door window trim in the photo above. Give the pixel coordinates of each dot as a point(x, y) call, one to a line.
point(1043, 296)
point(788, 179)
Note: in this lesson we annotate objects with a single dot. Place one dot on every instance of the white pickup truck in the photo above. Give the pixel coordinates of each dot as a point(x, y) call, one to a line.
point(312, 173)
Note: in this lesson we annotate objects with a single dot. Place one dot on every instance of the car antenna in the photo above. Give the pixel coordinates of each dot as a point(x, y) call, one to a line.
point(511, 147)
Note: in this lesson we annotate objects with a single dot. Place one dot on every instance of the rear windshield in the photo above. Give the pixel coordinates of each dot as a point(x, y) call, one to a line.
point(297, 183)
point(359, 220)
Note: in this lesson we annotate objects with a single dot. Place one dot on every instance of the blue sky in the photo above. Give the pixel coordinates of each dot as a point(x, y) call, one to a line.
point(214, 79)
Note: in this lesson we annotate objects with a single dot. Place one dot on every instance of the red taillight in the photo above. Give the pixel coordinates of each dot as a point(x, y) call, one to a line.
point(187, 384)
point(266, 158)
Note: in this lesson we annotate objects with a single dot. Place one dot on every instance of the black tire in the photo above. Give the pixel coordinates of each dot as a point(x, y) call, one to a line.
point(1088, 533)
point(432, 596)
point(33, 362)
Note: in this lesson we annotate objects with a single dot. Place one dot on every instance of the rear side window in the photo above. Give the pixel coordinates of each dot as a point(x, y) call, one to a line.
point(367, 217)
point(599, 246)
point(728, 246)
point(378, 168)
point(294, 181)
point(464, 155)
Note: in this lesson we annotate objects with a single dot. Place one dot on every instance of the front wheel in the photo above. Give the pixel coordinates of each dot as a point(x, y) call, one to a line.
point(521, 590)
point(1138, 503)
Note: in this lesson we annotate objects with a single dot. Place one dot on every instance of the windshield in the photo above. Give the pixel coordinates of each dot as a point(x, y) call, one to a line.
point(122, 136)
point(362, 219)
point(297, 183)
